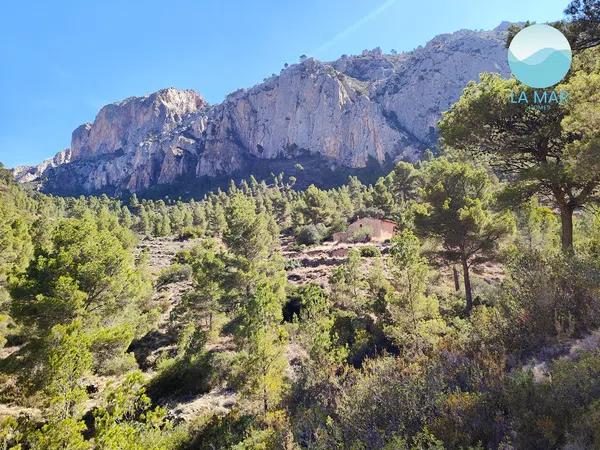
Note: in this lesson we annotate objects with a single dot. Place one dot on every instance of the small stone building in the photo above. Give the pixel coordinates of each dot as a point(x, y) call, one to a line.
point(367, 229)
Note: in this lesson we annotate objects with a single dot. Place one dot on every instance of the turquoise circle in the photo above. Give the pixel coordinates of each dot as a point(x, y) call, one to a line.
point(539, 56)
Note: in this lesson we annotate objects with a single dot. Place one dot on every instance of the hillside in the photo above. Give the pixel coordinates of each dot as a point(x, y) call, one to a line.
point(343, 288)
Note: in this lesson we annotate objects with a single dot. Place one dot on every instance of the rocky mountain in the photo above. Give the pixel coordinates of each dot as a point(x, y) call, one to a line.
point(359, 113)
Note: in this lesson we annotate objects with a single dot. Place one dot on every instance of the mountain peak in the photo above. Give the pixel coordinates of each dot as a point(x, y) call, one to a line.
point(503, 26)
point(120, 124)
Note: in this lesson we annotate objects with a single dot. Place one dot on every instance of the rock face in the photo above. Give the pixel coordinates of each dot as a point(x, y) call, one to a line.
point(434, 76)
point(310, 107)
point(132, 121)
point(132, 145)
point(28, 174)
point(343, 114)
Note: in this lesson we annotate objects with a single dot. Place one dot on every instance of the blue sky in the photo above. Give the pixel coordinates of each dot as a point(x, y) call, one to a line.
point(63, 60)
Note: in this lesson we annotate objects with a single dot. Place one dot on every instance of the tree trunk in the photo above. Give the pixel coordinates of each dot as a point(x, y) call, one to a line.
point(456, 279)
point(265, 401)
point(566, 236)
point(467, 281)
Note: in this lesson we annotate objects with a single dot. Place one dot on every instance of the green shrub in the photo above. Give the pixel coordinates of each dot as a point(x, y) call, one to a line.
point(108, 347)
point(188, 233)
point(221, 431)
point(120, 365)
point(297, 247)
point(387, 400)
point(173, 274)
point(311, 234)
point(181, 376)
point(369, 251)
point(359, 335)
point(566, 403)
point(188, 373)
point(221, 367)
point(362, 235)
point(292, 264)
point(337, 226)
point(549, 297)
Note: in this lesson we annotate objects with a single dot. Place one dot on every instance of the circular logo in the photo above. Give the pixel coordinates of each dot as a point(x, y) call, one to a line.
point(539, 56)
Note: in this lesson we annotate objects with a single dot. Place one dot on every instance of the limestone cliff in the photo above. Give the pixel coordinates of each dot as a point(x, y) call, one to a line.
point(346, 113)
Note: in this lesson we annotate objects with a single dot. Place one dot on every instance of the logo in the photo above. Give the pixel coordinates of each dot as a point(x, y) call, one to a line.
point(539, 56)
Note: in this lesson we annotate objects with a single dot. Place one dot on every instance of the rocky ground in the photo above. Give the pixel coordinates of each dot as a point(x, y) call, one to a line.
point(162, 342)
point(312, 264)
point(315, 264)
point(161, 253)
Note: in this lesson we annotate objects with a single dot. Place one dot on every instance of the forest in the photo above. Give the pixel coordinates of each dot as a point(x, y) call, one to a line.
point(477, 326)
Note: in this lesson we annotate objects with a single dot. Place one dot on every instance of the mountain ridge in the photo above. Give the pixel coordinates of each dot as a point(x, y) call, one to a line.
point(342, 115)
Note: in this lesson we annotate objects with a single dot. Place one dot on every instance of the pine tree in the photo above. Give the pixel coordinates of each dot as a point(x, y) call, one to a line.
point(382, 198)
point(316, 207)
point(88, 276)
point(457, 201)
point(249, 234)
point(69, 361)
point(217, 222)
point(263, 360)
point(544, 152)
point(412, 318)
point(348, 283)
point(126, 420)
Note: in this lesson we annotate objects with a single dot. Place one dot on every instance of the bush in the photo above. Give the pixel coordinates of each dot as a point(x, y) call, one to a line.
point(370, 251)
point(465, 418)
point(563, 405)
point(387, 400)
point(297, 247)
point(337, 226)
point(188, 233)
point(120, 365)
point(181, 376)
point(550, 297)
point(221, 366)
point(292, 264)
point(360, 336)
point(311, 234)
point(173, 274)
point(362, 235)
point(188, 372)
point(184, 256)
point(109, 346)
point(221, 431)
